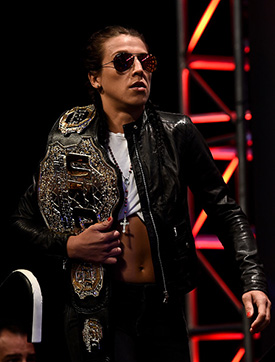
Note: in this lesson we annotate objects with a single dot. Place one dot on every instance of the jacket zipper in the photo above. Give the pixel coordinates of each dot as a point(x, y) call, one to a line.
point(165, 292)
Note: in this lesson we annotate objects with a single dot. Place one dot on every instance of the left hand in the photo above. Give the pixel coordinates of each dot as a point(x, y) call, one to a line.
point(260, 299)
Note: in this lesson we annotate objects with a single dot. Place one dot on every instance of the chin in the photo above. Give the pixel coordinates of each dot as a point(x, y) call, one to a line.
point(139, 101)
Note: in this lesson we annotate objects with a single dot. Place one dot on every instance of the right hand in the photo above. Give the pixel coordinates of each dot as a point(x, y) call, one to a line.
point(96, 244)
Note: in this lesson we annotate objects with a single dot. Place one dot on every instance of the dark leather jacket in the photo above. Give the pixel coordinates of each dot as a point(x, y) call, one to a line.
point(168, 155)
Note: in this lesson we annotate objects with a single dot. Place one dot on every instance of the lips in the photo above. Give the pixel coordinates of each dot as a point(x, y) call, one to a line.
point(138, 85)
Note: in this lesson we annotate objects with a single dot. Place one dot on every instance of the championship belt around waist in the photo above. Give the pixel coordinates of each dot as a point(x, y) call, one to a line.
point(77, 188)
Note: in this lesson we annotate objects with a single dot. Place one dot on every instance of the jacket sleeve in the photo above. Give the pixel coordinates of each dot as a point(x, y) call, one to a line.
point(31, 231)
point(231, 224)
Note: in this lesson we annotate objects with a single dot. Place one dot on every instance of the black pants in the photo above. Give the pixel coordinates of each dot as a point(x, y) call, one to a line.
point(146, 329)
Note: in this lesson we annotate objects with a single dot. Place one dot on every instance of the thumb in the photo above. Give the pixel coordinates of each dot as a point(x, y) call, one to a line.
point(105, 225)
point(248, 305)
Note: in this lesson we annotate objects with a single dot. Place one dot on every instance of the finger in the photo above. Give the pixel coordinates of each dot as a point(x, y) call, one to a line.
point(112, 256)
point(263, 317)
point(103, 226)
point(111, 236)
point(110, 261)
point(259, 324)
point(114, 252)
point(111, 245)
point(248, 305)
point(268, 314)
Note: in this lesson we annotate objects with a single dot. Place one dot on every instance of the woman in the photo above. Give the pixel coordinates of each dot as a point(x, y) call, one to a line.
point(138, 249)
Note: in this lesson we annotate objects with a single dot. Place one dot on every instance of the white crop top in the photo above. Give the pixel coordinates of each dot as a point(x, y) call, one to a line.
point(119, 147)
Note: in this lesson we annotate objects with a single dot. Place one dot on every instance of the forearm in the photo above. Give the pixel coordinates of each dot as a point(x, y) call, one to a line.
point(235, 234)
point(30, 231)
point(96, 244)
point(229, 221)
point(39, 238)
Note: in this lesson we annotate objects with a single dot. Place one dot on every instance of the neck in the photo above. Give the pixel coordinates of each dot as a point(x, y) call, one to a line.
point(117, 118)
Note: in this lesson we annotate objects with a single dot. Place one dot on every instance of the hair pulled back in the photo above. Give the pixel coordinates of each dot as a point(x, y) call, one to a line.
point(95, 51)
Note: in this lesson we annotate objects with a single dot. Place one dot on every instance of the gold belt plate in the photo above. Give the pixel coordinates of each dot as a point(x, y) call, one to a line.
point(87, 279)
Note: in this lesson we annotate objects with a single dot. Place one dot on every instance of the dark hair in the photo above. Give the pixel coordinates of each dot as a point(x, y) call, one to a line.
point(95, 48)
point(13, 328)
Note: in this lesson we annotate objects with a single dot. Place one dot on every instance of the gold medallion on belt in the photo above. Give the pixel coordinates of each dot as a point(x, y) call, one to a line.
point(87, 279)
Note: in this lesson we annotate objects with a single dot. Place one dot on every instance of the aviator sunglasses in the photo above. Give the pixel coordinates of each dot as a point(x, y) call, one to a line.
point(124, 61)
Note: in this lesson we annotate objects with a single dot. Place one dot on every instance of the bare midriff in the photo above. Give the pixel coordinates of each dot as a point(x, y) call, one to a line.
point(135, 264)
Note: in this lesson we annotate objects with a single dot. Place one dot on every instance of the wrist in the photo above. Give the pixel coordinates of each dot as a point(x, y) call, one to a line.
point(71, 247)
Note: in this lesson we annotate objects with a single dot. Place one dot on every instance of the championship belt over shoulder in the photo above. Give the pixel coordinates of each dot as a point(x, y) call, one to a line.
point(76, 189)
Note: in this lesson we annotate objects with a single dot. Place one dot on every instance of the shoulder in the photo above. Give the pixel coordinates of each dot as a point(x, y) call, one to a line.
point(181, 128)
point(76, 119)
point(176, 122)
point(72, 122)
point(174, 119)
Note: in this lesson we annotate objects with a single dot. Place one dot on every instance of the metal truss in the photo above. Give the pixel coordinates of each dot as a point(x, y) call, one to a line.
point(231, 147)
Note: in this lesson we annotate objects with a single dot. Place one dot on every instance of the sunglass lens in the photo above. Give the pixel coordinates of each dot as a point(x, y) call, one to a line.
point(123, 61)
point(149, 63)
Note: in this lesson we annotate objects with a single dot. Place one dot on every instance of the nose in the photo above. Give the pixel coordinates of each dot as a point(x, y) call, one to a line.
point(137, 66)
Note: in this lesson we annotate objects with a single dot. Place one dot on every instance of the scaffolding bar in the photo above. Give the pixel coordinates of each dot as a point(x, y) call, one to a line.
point(190, 70)
point(241, 138)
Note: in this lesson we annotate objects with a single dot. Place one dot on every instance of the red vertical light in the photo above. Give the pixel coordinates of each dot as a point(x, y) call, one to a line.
point(185, 90)
point(239, 355)
point(226, 176)
point(230, 169)
point(202, 24)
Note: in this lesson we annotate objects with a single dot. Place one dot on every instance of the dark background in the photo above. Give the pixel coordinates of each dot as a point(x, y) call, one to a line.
point(262, 40)
point(43, 75)
point(44, 72)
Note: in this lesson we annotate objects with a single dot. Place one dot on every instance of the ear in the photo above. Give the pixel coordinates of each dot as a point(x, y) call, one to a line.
point(94, 80)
